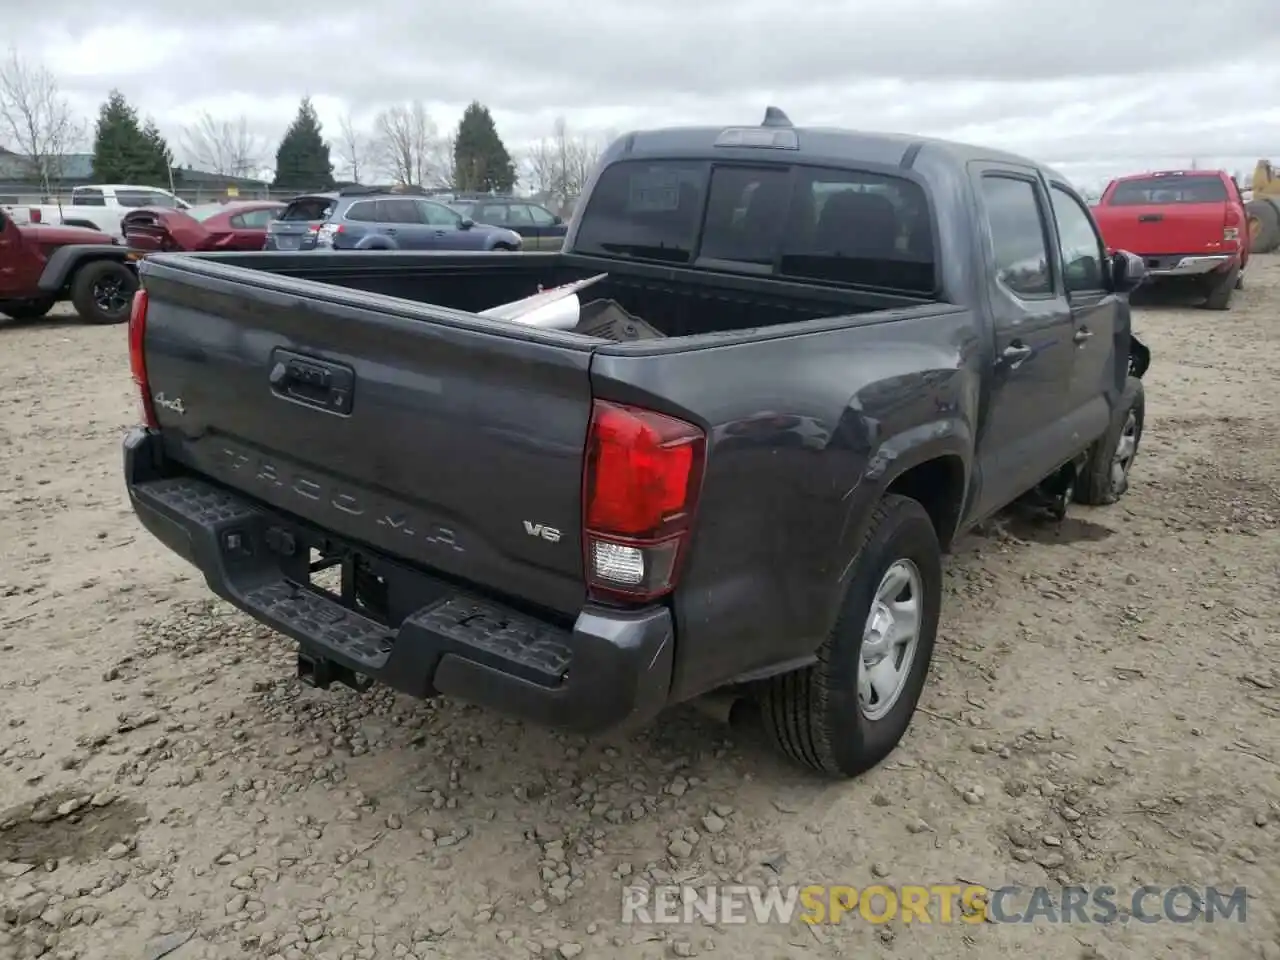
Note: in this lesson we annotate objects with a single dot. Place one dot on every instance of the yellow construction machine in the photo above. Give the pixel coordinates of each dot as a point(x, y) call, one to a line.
point(1263, 210)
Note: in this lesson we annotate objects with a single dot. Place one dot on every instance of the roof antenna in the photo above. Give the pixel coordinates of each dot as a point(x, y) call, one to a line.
point(774, 117)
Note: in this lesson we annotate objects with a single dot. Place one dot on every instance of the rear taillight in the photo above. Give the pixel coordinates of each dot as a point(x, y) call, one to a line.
point(326, 233)
point(1231, 225)
point(641, 479)
point(138, 358)
point(36, 216)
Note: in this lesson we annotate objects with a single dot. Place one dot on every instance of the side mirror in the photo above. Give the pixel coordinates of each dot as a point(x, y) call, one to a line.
point(558, 220)
point(1128, 271)
point(466, 223)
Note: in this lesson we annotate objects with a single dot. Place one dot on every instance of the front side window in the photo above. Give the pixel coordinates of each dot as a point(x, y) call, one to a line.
point(541, 217)
point(1083, 253)
point(437, 214)
point(364, 212)
point(1019, 241)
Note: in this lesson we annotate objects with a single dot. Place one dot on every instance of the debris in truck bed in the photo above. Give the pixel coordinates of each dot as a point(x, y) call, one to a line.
point(556, 309)
point(606, 319)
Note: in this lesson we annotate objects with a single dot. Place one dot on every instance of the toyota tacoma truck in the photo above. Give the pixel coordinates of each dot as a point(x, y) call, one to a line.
point(851, 348)
point(1189, 227)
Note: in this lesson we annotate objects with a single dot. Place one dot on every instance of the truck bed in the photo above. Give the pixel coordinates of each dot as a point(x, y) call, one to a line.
point(677, 302)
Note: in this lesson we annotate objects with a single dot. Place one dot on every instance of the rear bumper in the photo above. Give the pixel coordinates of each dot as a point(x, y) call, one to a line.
point(610, 669)
point(1188, 266)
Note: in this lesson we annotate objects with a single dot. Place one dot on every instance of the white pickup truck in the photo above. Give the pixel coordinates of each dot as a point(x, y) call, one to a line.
point(97, 206)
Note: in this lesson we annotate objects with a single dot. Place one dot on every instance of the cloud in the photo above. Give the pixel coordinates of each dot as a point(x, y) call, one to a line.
point(1097, 86)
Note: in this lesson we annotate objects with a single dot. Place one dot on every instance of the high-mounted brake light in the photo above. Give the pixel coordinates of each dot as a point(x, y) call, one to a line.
point(138, 358)
point(641, 479)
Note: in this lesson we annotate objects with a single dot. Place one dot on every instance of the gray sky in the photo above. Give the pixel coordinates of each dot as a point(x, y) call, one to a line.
point(1095, 87)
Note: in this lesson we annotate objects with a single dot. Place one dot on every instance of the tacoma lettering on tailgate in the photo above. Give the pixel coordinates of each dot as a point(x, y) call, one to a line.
point(258, 472)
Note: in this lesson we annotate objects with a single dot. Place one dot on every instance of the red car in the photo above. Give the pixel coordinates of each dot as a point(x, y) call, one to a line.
point(1188, 225)
point(241, 225)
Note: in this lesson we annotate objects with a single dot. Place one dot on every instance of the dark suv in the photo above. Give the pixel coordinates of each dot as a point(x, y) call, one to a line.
point(539, 227)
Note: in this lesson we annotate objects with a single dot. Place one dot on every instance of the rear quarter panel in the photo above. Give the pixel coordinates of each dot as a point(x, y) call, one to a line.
point(805, 432)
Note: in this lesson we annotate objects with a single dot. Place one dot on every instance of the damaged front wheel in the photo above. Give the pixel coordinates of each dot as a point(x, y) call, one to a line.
point(1105, 476)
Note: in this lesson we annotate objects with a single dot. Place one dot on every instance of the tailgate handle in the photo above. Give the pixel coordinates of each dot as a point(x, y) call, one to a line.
point(1151, 218)
point(316, 383)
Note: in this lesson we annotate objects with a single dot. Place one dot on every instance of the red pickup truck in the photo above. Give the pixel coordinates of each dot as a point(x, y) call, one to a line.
point(1188, 225)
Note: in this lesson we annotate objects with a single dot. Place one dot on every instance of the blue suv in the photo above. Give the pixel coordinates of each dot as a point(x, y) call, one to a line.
point(375, 218)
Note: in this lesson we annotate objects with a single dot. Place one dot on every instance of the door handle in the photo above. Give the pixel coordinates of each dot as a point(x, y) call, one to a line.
point(1015, 353)
point(1083, 334)
point(389, 230)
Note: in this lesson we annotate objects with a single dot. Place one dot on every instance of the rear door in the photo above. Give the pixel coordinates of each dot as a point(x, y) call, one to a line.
point(1165, 214)
point(1028, 420)
point(400, 220)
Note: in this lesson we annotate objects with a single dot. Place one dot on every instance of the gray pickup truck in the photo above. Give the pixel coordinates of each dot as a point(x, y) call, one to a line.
point(854, 347)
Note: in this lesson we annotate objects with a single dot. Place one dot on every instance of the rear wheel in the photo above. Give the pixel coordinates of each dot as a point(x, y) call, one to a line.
point(1264, 224)
point(1105, 477)
point(1220, 288)
point(102, 291)
point(26, 309)
point(846, 713)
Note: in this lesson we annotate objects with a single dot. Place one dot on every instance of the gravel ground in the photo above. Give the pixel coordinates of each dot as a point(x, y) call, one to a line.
point(1102, 711)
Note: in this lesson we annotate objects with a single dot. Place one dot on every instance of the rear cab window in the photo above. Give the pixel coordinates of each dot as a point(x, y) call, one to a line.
point(1158, 191)
point(803, 222)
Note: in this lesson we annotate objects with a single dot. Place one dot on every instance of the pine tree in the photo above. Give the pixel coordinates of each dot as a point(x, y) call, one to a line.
point(480, 157)
point(302, 161)
point(126, 152)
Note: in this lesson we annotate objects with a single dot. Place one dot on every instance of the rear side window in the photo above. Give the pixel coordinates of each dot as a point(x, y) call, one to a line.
point(88, 197)
point(397, 211)
point(1183, 188)
point(364, 212)
point(1019, 240)
point(650, 211)
point(308, 209)
point(810, 223)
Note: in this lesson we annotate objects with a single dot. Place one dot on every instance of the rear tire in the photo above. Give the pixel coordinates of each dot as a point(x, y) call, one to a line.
point(26, 309)
point(1263, 222)
point(102, 291)
point(1221, 287)
point(1105, 476)
point(816, 716)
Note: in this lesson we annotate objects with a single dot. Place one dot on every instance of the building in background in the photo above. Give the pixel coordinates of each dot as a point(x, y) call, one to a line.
point(20, 184)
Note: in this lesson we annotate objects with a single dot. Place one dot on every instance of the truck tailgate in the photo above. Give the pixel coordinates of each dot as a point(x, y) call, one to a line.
point(1163, 229)
point(427, 435)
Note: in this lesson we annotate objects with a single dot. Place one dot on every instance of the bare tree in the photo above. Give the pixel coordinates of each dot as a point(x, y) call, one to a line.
point(36, 118)
point(225, 147)
point(560, 165)
point(409, 149)
point(353, 147)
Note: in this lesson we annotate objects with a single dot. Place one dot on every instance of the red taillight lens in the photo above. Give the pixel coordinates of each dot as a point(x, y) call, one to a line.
point(642, 476)
point(36, 216)
point(138, 359)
